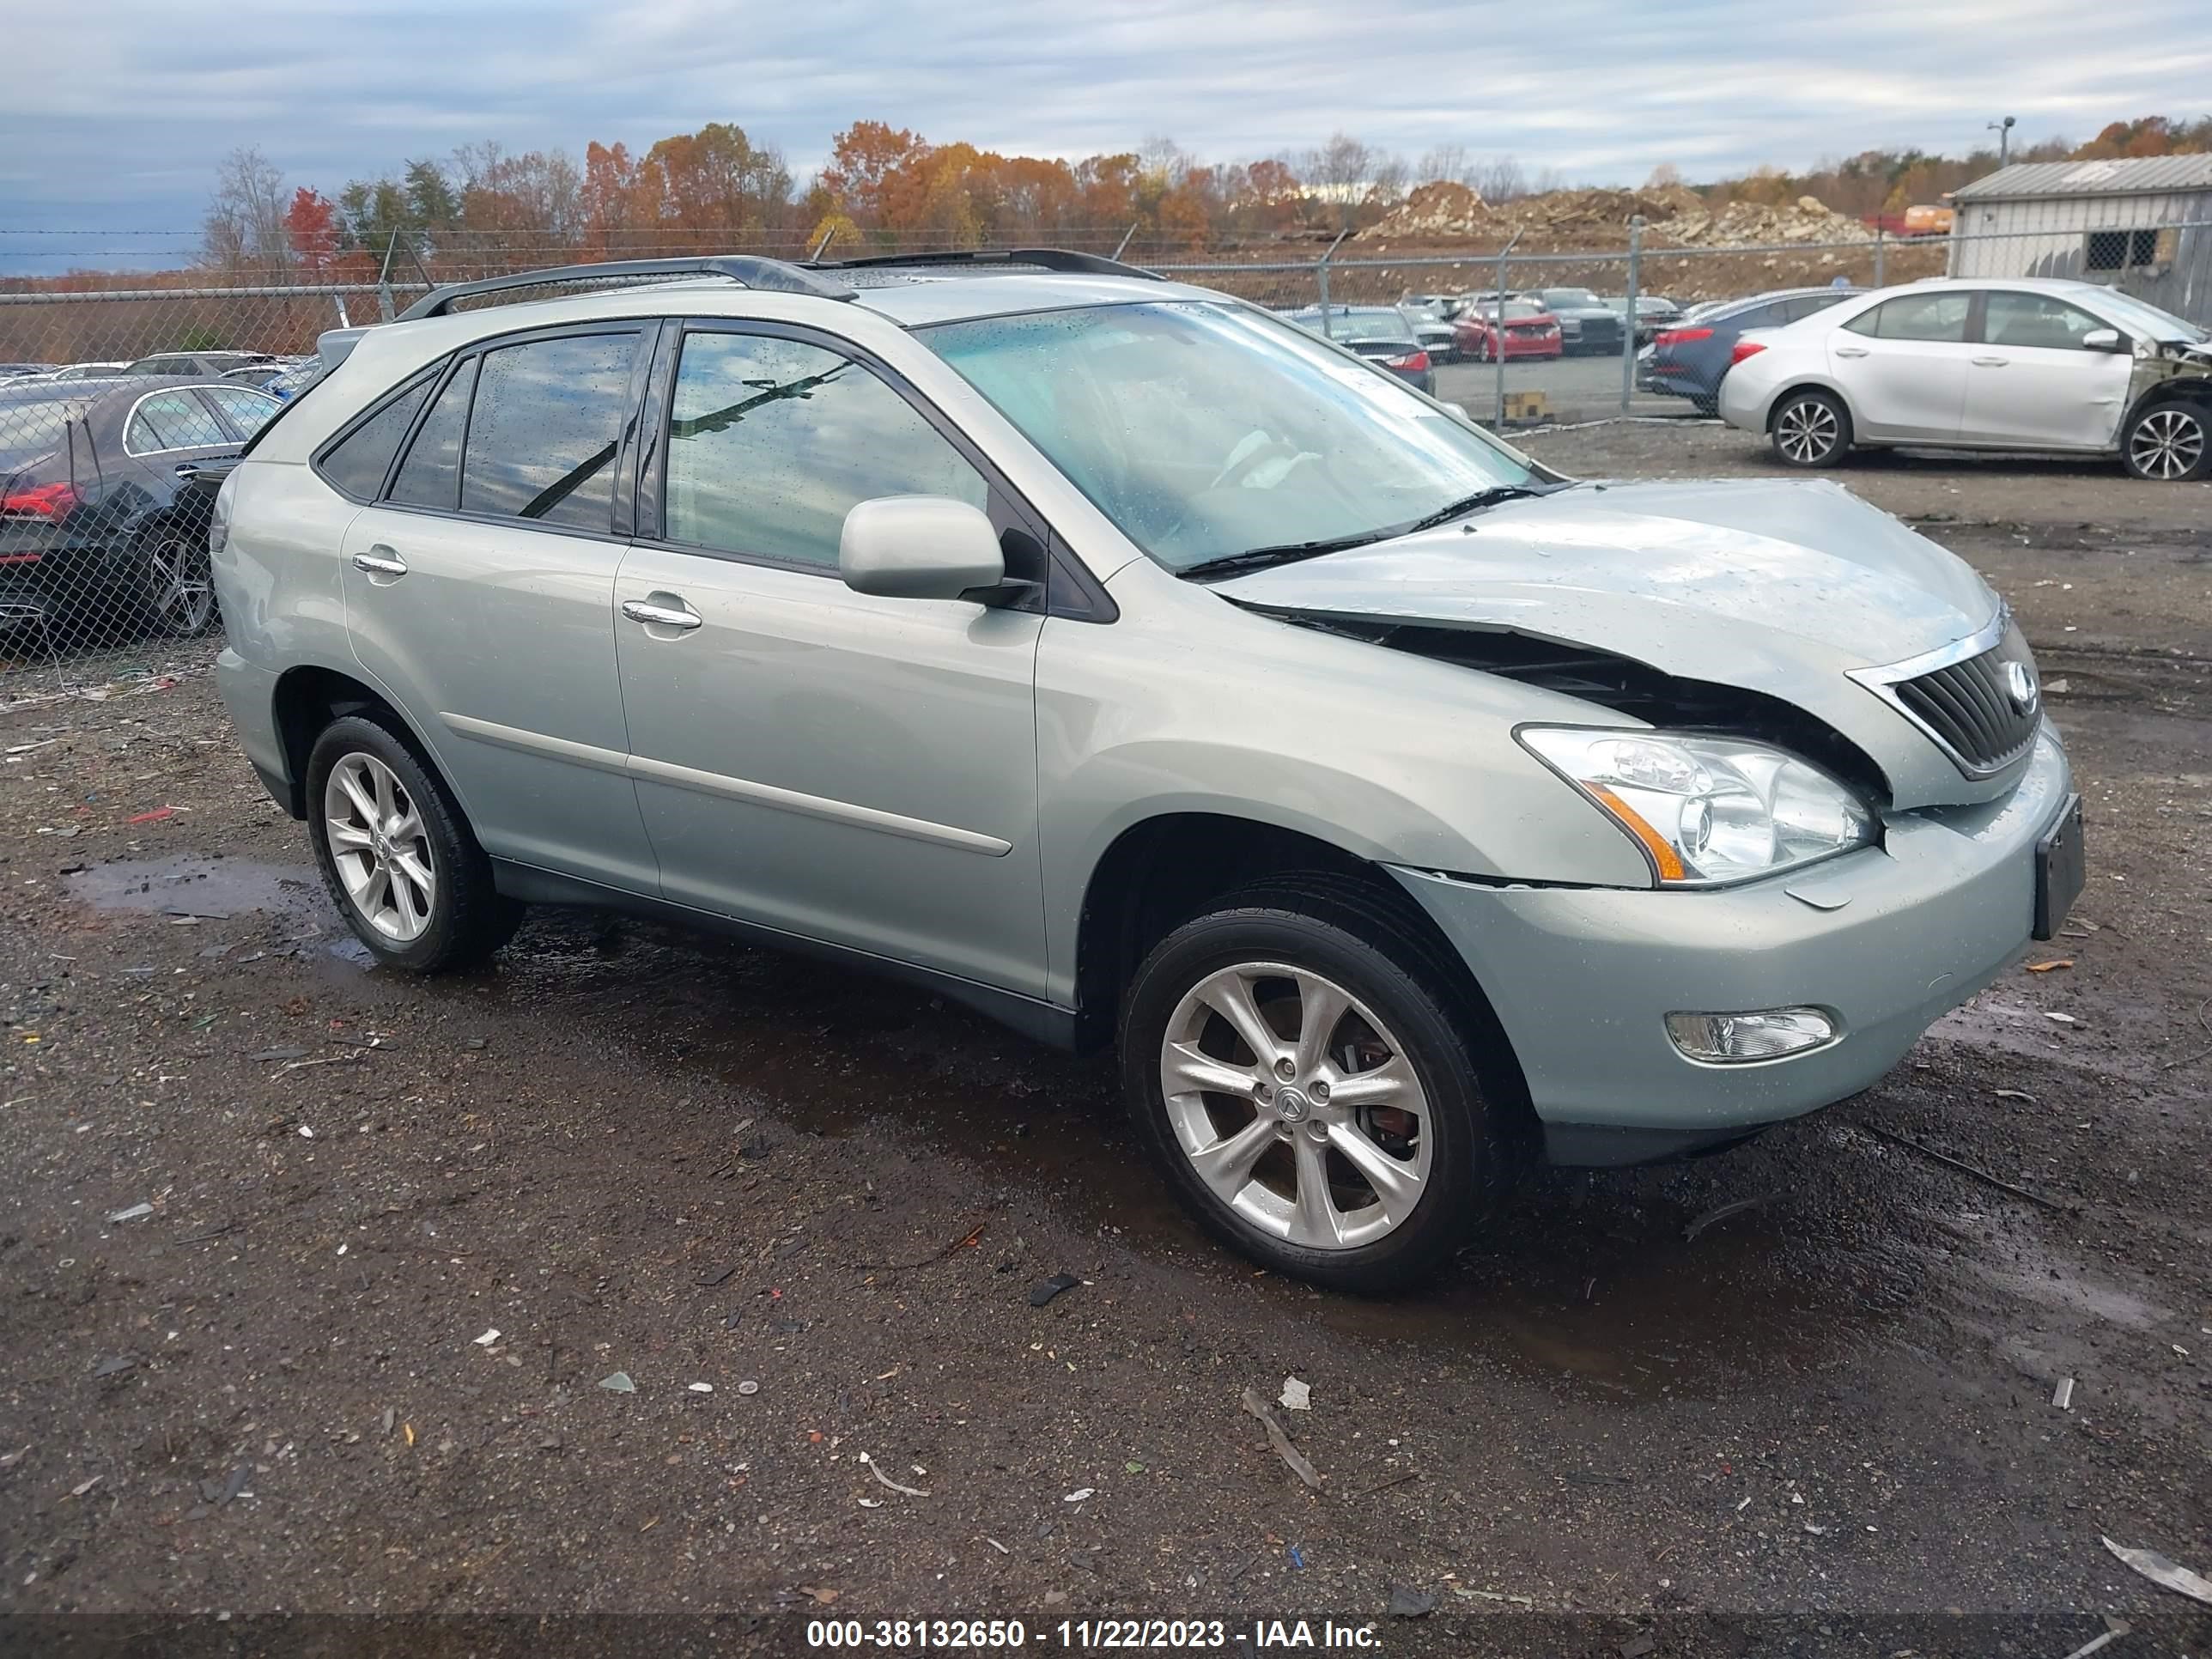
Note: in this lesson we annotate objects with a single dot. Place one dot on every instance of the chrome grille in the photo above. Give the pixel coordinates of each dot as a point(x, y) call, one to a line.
point(1971, 708)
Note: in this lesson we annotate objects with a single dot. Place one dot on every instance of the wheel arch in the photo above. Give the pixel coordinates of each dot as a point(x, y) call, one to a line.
point(306, 699)
point(2174, 389)
point(1809, 383)
point(1164, 870)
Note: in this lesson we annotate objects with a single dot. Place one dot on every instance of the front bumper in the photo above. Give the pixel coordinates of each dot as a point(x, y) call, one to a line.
point(1887, 939)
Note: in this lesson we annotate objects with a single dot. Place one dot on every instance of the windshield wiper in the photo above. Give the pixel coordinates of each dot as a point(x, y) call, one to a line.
point(1466, 504)
point(1259, 558)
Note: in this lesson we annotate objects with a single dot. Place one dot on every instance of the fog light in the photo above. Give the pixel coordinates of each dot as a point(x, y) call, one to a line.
point(1737, 1039)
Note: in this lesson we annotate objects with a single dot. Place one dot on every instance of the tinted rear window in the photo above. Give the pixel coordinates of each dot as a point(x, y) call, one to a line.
point(359, 462)
point(547, 426)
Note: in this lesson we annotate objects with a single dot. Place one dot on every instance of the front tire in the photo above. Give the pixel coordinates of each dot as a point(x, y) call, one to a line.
point(1811, 429)
point(1293, 1063)
point(2169, 443)
point(398, 855)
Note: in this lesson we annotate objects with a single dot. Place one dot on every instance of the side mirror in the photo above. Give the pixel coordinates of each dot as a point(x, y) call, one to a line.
point(919, 547)
point(2103, 339)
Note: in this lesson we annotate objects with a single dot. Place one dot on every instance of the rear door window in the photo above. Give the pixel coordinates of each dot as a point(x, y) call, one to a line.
point(431, 474)
point(546, 428)
point(173, 420)
point(357, 463)
point(1931, 317)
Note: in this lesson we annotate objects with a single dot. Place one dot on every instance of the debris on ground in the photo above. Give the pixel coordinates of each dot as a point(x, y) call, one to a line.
point(2016, 1094)
point(2063, 1396)
point(749, 1388)
point(113, 1367)
point(1281, 1441)
point(702, 1388)
point(2167, 1575)
point(488, 1338)
point(1296, 1396)
point(2114, 1629)
point(131, 1214)
point(1405, 1603)
point(1040, 1294)
point(619, 1382)
point(1721, 1212)
point(1079, 1494)
point(1965, 1168)
point(911, 1491)
point(2050, 967)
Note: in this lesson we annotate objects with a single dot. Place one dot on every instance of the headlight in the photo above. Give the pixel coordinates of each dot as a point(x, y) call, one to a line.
point(1707, 810)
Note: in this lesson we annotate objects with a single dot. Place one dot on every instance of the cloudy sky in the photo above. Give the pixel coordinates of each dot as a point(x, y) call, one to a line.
point(126, 137)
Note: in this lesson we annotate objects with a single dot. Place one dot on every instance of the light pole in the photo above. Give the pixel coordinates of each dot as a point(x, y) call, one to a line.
point(2003, 131)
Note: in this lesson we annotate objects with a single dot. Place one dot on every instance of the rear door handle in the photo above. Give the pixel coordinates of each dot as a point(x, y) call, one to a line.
point(1850, 351)
point(654, 614)
point(1992, 362)
point(380, 564)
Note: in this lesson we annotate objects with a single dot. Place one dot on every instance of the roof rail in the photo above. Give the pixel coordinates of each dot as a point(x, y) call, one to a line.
point(773, 275)
point(1046, 259)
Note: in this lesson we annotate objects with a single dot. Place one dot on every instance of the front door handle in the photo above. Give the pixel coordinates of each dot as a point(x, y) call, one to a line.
point(1992, 362)
point(380, 564)
point(1850, 351)
point(655, 614)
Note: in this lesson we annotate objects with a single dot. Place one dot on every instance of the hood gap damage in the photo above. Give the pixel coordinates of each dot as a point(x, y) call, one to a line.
point(1618, 683)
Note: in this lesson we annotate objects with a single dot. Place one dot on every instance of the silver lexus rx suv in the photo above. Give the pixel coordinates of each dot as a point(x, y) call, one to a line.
point(1115, 658)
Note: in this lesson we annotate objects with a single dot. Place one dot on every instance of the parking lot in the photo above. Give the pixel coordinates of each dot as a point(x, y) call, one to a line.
point(320, 1277)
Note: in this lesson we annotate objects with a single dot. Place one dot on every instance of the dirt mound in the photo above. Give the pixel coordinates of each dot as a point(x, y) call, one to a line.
point(1672, 215)
point(1751, 224)
point(1442, 209)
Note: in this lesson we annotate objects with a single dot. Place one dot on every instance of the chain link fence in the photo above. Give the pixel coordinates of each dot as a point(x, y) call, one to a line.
point(121, 387)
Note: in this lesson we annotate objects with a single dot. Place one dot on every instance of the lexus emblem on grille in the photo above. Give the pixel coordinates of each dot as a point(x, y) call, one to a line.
point(2020, 684)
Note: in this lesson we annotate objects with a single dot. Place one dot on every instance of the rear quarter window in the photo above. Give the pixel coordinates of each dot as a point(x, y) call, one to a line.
point(357, 465)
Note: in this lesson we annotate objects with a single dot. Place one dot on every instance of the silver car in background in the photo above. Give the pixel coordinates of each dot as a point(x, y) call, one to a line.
point(1117, 659)
point(2065, 367)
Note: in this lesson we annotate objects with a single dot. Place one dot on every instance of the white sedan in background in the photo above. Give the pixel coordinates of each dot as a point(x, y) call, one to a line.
point(1983, 363)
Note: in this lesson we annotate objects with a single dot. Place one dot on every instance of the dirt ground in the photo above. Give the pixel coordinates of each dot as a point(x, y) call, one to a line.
point(353, 1358)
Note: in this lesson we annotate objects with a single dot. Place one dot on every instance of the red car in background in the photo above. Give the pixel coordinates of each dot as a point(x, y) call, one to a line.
point(1529, 329)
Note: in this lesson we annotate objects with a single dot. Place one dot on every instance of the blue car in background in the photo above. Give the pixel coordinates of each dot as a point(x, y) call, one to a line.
point(1690, 358)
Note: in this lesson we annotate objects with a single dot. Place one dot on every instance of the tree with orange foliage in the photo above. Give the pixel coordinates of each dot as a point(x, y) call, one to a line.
point(861, 158)
point(311, 226)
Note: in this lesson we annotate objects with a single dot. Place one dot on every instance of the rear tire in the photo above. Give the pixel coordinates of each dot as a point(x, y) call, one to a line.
point(396, 853)
point(1811, 429)
point(1368, 1162)
point(2169, 442)
point(176, 580)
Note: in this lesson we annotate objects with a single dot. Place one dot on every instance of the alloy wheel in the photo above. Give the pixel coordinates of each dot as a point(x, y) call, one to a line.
point(2168, 443)
point(179, 584)
point(1298, 1108)
point(1807, 431)
point(380, 847)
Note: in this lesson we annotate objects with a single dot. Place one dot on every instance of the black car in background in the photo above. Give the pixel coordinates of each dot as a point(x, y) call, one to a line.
point(101, 530)
point(1689, 359)
point(1381, 334)
point(206, 365)
point(1587, 323)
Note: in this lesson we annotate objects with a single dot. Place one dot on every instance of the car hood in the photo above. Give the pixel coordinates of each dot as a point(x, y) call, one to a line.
point(1776, 586)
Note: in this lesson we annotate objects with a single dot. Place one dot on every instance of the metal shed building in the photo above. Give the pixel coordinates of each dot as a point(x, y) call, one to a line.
point(2142, 225)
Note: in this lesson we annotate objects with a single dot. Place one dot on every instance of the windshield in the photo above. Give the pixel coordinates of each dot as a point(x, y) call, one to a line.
point(1572, 297)
point(1204, 430)
point(2140, 317)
